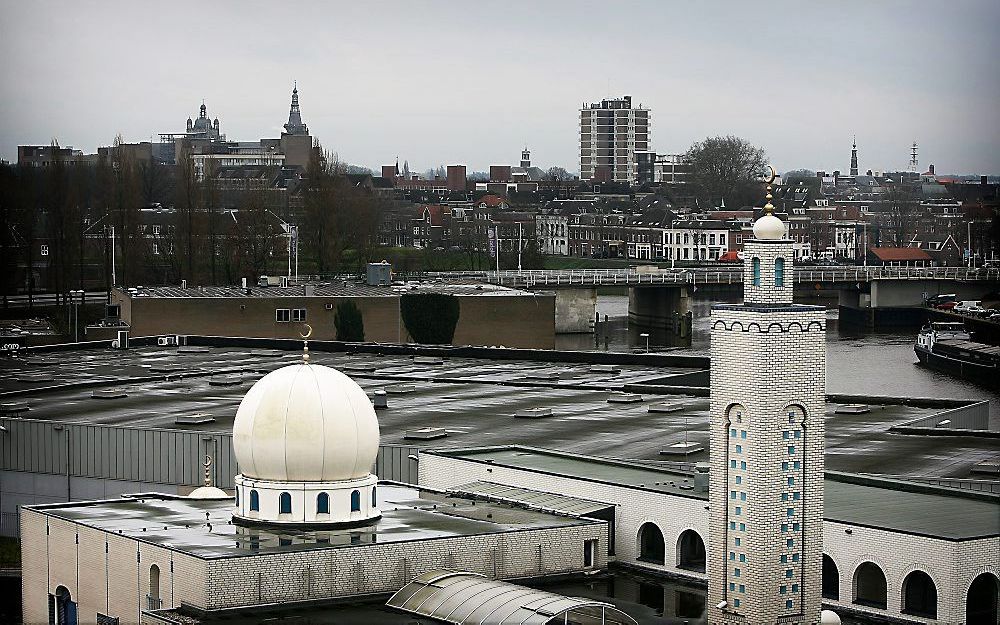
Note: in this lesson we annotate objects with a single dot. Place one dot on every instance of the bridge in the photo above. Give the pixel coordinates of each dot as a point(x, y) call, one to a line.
point(695, 276)
point(869, 297)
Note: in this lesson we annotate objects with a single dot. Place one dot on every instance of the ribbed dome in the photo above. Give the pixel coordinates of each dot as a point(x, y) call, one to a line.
point(305, 423)
point(768, 227)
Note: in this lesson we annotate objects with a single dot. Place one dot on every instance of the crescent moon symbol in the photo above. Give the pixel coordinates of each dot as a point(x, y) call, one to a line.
point(309, 331)
point(208, 461)
point(773, 174)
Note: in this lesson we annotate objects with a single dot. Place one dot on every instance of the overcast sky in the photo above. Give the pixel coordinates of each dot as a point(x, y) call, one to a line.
point(473, 82)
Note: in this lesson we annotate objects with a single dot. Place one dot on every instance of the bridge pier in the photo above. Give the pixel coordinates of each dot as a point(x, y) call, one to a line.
point(576, 309)
point(660, 307)
point(882, 304)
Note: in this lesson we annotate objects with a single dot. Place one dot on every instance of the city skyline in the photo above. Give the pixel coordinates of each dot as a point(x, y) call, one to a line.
point(427, 84)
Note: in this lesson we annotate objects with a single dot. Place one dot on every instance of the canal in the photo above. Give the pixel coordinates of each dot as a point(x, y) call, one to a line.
point(881, 363)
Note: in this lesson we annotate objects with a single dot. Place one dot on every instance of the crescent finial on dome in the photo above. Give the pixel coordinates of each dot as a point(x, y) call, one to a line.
point(305, 342)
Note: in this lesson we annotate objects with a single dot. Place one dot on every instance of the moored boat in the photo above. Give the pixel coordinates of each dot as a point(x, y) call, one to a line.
point(948, 347)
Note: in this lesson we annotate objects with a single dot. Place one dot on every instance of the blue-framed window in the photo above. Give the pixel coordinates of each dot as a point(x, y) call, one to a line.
point(237, 498)
point(322, 503)
point(254, 501)
point(355, 501)
point(284, 503)
point(779, 272)
point(788, 604)
point(756, 272)
point(736, 602)
point(373, 497)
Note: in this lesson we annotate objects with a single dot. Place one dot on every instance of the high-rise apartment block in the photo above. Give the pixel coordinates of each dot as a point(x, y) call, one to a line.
point(611, 132)
point(767, 435)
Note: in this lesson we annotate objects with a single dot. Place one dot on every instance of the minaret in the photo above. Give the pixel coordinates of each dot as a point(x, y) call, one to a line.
point(768, 381)
point(525, 158)
point(854, 158)
point(295, 125)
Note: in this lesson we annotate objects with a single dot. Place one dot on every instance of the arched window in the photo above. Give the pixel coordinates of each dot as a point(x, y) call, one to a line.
point(373, 498)
point(691, 551)
point(322, 503)
point(919, 595)
point(870, 586)
point(756, 272)
point(65, 607)
point(981, 601)
point(153, 600)
point(355, 501)
point(779, 272)
point(651, 547)
point(254, 501)
point(831, 579)
point(284, 503)
point(237, 498)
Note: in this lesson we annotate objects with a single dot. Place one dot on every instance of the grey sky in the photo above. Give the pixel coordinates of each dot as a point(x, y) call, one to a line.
point(473, 82)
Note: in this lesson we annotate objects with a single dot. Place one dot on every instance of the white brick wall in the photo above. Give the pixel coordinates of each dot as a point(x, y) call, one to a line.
point(633, 507)
point(386, 567)
point(952, 565)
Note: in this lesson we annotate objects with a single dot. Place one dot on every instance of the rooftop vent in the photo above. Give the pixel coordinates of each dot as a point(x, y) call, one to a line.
point(109, 393)
point(425, 434)
point(625, 398)
point(533, 413)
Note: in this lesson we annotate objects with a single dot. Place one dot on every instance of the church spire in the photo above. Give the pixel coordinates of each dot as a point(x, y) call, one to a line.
point(295, 125)
point(854, 157)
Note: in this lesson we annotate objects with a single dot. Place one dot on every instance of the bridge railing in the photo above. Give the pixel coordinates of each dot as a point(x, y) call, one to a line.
point(706, 275)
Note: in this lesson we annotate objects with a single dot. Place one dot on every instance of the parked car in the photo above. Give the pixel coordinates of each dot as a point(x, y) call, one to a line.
point(731, 256)
point(935, 301)
point(945, 305)
point(969, 307)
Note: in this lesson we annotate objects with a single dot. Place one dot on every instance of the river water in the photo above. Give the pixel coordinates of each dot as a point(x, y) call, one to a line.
point(880, 363)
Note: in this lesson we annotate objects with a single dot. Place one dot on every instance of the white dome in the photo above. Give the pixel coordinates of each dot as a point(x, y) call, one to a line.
point(829, 617)
point(208, 492)
point(305, 423)
point(768, 227)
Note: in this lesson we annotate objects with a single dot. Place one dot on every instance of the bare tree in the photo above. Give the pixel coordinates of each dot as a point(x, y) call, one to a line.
point(897, 214)
point(727, 167)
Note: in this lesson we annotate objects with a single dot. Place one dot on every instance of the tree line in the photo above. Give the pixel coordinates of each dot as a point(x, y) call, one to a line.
point(123, 221)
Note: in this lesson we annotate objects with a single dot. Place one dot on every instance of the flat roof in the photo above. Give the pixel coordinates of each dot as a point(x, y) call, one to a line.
point(870, 502)
point(340, 288)
point(204, 528)
point(473, 399)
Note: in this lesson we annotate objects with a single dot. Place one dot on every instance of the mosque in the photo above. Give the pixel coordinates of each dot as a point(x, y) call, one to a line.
point(775, 538)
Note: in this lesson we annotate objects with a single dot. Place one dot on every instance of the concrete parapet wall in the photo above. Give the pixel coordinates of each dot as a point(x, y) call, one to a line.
point(575, 310)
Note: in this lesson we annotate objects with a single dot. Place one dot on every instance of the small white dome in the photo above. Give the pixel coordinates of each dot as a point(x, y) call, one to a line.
point(829, 617)
point(305, 423)
point(208, 492)
point(769, 228)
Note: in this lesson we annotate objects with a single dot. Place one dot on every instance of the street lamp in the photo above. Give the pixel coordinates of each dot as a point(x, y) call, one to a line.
point(645, 335)
point(73, 295)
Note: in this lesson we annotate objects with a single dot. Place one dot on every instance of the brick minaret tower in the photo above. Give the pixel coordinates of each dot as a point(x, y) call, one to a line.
point(767, 437)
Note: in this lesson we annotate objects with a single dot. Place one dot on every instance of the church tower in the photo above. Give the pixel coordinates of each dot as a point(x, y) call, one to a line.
point(525, 158)
point(768, 385)
point(854, 158)
point(295, 125)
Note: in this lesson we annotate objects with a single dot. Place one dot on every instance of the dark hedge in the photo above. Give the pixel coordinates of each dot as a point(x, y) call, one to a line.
point(430, 317)
point(350, 326)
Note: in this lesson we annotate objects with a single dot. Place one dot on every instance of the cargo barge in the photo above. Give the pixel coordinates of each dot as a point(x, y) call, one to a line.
point(948, 347)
